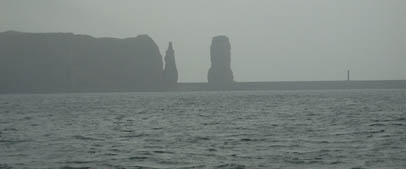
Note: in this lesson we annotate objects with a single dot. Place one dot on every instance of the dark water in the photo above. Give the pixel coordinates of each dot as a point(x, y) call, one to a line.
point(261, 129)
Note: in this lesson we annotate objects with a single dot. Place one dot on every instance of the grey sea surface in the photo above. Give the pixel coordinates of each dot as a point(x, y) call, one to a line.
point(313, 129)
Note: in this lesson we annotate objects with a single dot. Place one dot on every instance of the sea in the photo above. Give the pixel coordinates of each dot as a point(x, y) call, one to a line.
point(292, 129)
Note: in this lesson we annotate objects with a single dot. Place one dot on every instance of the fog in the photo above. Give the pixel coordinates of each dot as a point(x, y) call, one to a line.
point(271, 40)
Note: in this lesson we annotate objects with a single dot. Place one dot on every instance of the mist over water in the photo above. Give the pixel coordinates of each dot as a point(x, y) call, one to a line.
point(272, 40)
point(247, 129)
point(181, 84)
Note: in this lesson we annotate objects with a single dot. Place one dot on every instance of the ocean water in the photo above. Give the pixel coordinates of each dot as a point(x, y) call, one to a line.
point(343, 129)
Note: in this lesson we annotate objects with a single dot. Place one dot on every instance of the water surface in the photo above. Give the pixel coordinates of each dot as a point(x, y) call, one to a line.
point(244, 129)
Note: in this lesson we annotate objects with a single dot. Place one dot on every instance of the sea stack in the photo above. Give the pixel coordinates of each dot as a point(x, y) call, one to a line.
point(220, 74)
point(170, 74)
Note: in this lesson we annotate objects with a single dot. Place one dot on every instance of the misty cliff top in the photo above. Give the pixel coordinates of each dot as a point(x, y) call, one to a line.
point(13, 33)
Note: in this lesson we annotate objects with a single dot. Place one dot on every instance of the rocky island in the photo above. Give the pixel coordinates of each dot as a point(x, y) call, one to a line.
point(66, 62)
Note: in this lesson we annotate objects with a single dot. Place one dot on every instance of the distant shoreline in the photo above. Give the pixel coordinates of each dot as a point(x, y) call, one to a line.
point(300, 85)
point(255, 86)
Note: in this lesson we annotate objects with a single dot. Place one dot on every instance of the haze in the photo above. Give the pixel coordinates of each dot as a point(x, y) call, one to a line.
point(271, 40)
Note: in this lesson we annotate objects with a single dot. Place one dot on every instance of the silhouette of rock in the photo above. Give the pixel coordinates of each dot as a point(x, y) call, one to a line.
point(64, 62)
point(170, 75)
point(220, 73)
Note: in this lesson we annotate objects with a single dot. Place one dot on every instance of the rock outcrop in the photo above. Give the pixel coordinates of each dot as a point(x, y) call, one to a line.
point(170, 74)
point(220, 73)
point(65, 62)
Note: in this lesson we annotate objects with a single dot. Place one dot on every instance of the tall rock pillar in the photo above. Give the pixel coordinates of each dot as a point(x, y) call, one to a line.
point(220, 73)
point(170, 74)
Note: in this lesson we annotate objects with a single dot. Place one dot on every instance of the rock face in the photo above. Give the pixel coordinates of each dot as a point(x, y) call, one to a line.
point(170, 74)
point(220, 73)
point(65, 62)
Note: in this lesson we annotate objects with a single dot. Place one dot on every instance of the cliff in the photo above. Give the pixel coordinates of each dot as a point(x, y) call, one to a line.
point(220, 74)
point(65, 62)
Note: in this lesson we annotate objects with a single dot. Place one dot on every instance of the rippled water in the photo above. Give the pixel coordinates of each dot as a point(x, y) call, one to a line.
point(251, 129)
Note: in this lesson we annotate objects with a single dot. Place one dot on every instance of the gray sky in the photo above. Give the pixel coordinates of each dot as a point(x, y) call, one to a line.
point(272, 40)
